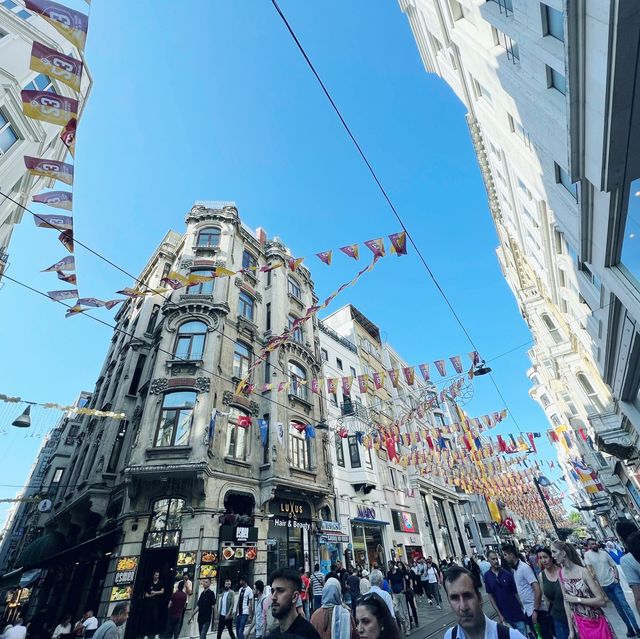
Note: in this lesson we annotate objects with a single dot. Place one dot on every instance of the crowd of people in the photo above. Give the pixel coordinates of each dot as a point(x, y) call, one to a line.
point(556, 591)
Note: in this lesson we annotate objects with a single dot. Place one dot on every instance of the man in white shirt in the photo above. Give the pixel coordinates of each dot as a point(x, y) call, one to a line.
point(466, 603)
point(245, 607)
point(90, 624)
point(17, 631)
point(485, 566)
point(604, 569)
point(527, 585)
point(376, 586)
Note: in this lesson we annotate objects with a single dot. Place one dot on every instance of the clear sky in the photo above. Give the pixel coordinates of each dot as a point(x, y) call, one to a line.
point(211, 100)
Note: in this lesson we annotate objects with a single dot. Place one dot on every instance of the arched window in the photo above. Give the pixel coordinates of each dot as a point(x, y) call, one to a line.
point(237, 436)
point(590, 392)
point(298, 379)
point(175, 419)
point(294, 288)
point(202, 288)
point(241, 360)
point(296, 336)
point(164, 527)
point(190, 340)
point(209, 237)
point(554, 331)
point(246, 305)
point(298, 445)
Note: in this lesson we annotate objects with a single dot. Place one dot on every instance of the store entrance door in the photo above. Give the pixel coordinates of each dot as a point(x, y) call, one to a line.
point(149, 614)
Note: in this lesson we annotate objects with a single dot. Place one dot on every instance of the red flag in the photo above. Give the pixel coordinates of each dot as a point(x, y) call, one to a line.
point(390, 445)
point(244, 421)
point(533, 446)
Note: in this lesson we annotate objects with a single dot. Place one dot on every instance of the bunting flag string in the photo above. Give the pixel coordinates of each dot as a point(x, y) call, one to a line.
point(247, 388)
point(81, 411)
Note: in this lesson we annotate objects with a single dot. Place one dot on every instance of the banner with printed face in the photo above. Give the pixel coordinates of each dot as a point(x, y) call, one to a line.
point(48, 106)
point(58, 222)
point(68, 278)
point(50, 168)
point(56, 199)
point(73, 25)
point(56, 65)
point(66, 238)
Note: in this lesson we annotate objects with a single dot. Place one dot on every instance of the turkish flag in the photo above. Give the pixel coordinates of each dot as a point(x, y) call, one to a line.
point(244, 421)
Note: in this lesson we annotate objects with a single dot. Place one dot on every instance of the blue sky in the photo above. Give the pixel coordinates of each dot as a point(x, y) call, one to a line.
point(213, 101)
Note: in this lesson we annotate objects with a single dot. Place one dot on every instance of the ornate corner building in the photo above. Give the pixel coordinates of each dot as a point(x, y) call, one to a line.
point(192, 479)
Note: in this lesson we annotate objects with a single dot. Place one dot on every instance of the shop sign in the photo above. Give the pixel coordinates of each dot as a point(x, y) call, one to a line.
point(238, 534)
point(366, 512)
point(125, 571)
point(333, 539)
point(290, 508)
point(331, 526)
point(291, 523)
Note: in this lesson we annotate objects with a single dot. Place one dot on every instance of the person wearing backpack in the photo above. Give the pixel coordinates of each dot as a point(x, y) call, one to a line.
point(466, 603)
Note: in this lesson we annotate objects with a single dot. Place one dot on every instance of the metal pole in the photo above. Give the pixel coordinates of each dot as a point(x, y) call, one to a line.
point(546, 506)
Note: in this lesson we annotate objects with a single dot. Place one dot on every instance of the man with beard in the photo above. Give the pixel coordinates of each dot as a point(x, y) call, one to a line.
point(466, 604)
point(286, 586)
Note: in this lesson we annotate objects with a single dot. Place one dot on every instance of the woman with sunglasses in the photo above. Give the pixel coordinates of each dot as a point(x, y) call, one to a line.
point(374, 620)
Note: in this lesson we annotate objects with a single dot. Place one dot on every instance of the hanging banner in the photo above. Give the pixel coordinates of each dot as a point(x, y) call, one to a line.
point(399, 242)
point(66, 238)
point(73, 25)
point(68, 278)
point(376, 247)
point(65, 264)
point(68, 135)
point(58, 222)
point(48, 106)
point(56, 65)
point(63, 295)
point(352, 250)
point(75, 310)
point(325, 256)
point(50, 168)
point(55, 199)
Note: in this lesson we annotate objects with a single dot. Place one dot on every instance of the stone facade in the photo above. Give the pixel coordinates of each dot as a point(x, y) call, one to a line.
point(184, 479)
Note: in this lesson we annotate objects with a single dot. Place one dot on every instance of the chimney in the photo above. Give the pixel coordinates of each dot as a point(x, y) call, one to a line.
point(261, 234)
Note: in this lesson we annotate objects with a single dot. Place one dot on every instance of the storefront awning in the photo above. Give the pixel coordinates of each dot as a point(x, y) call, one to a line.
point(11, 579)
point(369, 522)
point(41, 549)
point(29, 577)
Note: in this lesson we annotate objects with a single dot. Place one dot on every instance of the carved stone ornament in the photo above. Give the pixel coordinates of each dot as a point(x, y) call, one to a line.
point(238, 281)
point(227, 398)
point(186, 262)
point(258, 297)
point(203, 384)
point(254, 408)
point(158, 386)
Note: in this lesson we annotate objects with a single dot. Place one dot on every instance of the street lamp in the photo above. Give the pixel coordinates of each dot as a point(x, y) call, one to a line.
point(23, 420)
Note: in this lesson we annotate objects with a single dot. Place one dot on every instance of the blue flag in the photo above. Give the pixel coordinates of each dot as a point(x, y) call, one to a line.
point(212, 424)
point(310, 431)
point(264, 431)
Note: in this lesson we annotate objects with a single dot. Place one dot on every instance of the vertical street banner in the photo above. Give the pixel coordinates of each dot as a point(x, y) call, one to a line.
point(73, 25)
point(56, 65)
point(50, 168)
point(48, 106)
point(55, 199)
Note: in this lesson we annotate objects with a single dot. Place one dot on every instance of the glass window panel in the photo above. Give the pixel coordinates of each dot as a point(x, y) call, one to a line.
point(185, 399)
point(183, 427)
point(25, 15)
point(209, 237)
point(554, 23)
point(166, 428)
point(3, 119)
point(630, 256)
point(7, 138)
point(10, 4)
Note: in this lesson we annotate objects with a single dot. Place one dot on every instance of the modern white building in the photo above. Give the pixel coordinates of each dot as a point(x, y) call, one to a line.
point(21, 135)
point(550, 91)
